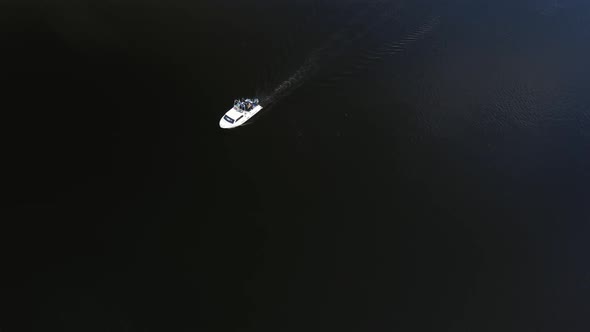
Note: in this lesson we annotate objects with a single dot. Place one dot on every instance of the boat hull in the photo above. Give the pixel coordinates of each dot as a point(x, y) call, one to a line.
point(233, 119)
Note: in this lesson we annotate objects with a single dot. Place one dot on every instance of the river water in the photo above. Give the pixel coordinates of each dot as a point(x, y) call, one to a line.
point(418, 166)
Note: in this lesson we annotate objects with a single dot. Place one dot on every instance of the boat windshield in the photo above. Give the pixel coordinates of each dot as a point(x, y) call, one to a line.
point(228, 119)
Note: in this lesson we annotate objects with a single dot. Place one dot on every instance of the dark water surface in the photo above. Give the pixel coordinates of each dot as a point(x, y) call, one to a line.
point(420, 166)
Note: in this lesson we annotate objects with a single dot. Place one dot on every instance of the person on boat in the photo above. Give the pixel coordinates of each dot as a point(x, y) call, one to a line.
point(245, 104)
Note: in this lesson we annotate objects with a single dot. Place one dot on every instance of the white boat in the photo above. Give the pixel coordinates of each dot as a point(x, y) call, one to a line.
point(242, 111)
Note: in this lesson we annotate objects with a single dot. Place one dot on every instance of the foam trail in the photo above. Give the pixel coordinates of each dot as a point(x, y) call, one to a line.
point(418, 34)
point(295, 80)
point(387, 49)
point(349, 34)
